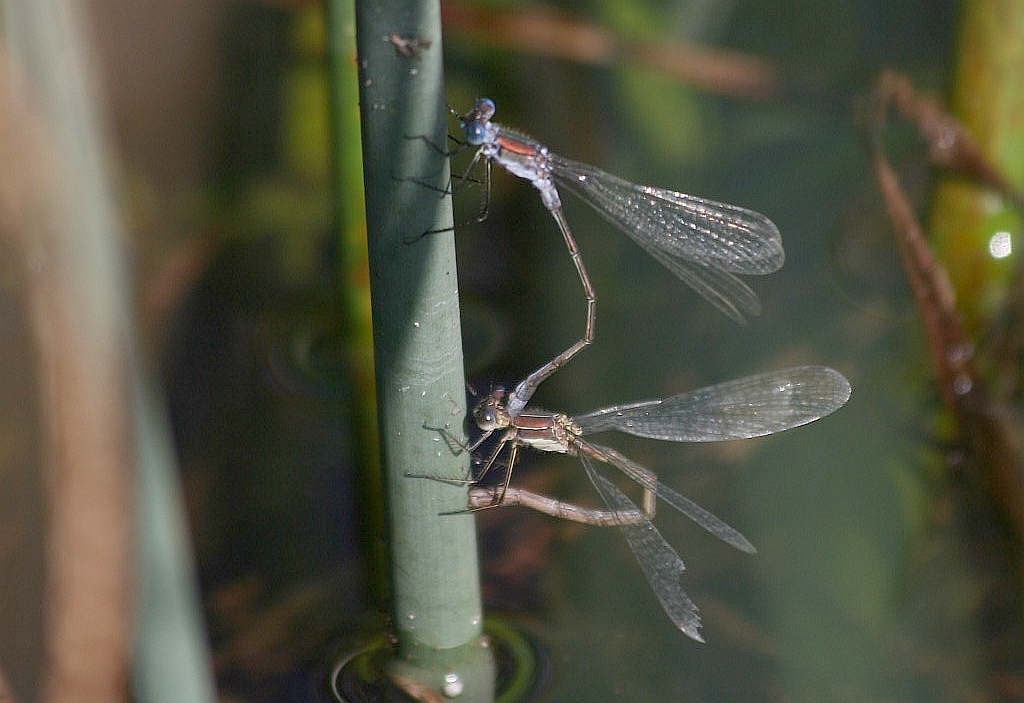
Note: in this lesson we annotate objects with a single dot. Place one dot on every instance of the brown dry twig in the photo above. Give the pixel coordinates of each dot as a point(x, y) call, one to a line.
point(963, 390)
point(540, 30)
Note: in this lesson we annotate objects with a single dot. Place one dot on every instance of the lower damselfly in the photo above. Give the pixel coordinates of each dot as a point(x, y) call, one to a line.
point(754, 406)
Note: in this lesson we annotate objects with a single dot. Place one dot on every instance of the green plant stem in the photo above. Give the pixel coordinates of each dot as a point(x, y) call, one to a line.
point(349, 219)
point(417, 336)
point(987, 97)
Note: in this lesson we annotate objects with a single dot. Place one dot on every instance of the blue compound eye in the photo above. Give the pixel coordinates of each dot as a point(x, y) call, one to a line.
point(475, 133)
point(484, 106)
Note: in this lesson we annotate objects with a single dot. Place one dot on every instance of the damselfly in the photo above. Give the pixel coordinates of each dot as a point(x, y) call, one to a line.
point(703, 242)
point(748, 407)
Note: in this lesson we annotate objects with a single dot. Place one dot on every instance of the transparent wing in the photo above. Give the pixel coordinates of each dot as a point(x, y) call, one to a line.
point(660, 563)
point(748, 407)
point(720, 288)
point(679, 230)
point(733, 238)
point(648, 480)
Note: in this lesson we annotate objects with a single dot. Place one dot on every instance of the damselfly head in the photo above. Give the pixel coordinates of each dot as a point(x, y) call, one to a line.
point(476, 133)
point(474, 122)
point(490, 414)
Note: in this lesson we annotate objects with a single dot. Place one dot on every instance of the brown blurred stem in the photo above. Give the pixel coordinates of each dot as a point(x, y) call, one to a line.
point(543, 31)
point(963, 389)
point(61, 221)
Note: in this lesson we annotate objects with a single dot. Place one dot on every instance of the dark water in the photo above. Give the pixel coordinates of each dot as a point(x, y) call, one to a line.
point(880, 575)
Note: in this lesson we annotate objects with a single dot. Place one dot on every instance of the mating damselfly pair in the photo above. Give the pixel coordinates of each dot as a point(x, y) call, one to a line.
point(706, 244)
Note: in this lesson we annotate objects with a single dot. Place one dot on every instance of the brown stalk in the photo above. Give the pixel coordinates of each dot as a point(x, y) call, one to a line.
point(542, 31)
point(82, 365)
point(963, 390)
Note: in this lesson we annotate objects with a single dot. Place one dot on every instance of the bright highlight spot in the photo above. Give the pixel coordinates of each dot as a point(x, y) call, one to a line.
point(452, 686)
point(1000, 245)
